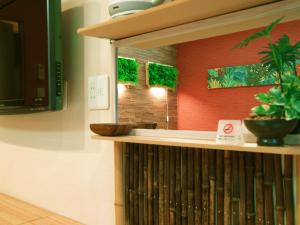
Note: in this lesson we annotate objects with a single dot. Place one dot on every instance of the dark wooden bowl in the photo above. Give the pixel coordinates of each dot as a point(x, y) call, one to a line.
point(270, 132)
point(145, 125)
point(111, 129)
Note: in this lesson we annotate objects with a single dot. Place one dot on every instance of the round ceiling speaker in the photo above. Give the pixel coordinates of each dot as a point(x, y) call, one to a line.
point(124, 7)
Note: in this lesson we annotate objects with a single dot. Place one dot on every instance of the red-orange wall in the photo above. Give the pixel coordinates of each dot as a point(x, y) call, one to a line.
point(200, 108)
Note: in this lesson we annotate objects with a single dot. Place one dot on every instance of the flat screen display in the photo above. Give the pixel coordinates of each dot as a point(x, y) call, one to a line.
point(11, 74)
point(31, 78)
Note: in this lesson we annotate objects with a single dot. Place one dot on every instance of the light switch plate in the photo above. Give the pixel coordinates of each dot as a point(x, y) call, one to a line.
point(98, 92)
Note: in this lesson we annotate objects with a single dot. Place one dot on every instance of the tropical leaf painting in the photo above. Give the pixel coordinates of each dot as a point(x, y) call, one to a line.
point(243, 76)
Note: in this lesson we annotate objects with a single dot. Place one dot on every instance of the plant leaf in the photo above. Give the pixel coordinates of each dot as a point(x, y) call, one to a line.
point(267, 110)
point(269, 28)
point(263, 33)
point(291, 114)
point(263, 97)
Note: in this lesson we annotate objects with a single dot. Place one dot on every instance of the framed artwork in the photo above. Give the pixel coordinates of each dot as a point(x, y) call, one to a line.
point(160, 75)
point(243, 76)
point(127, 71)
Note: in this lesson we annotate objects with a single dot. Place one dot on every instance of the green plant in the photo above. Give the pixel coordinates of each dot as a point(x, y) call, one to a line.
point(243, 75)
point(281, 104)
point(162, 75)
point(279, 57)
point(213, 83)
point(259, 74)
point(228, 80)
point(127, 71)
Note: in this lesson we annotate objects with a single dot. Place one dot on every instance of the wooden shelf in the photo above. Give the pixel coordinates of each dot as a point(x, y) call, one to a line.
point(207, 144)
point(187, 20)
point(165, 16)
point(247, 19)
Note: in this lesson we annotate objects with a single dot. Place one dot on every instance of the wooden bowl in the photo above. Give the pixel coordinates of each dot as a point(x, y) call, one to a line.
point(111, 129)
point(145, 125)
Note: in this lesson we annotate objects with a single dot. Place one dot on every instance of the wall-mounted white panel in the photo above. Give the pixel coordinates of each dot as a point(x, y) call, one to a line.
point(98, 92)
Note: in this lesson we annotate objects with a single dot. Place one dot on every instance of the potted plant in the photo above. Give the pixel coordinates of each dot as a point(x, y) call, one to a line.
point(279, 112)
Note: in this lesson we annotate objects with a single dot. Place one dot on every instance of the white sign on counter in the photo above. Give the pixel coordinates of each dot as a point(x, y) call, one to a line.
point(230, 132)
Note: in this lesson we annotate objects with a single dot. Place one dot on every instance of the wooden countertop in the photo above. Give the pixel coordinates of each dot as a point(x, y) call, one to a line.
point(206, 144)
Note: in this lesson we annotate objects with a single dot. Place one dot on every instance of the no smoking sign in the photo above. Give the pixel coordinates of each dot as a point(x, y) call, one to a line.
point(230, 132)
point(228, 128)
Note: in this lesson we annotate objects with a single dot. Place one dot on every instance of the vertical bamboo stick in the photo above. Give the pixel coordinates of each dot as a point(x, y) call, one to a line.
point(268, 188)
point(288, 188)
point(235, 193)
point(250, 211)
point(205, 188)
point(212, 185)
point(120, 176)
point(184, 187)
point(227, 187)
point(178, 186)
point(172, 184)
point(150, 184)
point(145, 207)
point(220, 187)
point(161, 185)
point(259, 190)
point(279, 190)
point(136, 184)
point(166, 186)
point(197, 186)
point(131, 184)
point(127, 187)
point(242, 180)
point(250, 200)
point(141, 184)
point(190, 187)
point(155, 186)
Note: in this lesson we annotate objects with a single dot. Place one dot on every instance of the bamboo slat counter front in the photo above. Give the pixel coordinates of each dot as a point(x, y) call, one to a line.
point(233, 200)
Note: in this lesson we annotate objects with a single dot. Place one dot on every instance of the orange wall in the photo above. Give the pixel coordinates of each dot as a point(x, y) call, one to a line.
point(200, 108)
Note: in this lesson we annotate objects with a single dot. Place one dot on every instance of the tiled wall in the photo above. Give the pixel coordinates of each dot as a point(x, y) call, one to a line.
point(138, 103)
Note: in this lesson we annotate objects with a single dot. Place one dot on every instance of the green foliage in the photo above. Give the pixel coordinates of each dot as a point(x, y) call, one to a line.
point(162, 75)
point(228, 80)
point(259, 74)
point(213, 83)
point(270, 110)
point(127, 71)
point(281, 104)
point(263, 33)
point(238, 76)
point(280, 57)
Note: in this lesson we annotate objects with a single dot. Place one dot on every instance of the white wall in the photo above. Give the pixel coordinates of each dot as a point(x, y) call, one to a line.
point(49, 159)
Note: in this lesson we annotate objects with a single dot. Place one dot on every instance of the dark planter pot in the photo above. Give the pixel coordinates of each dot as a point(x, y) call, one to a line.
point(297, 129)
point(270, 132)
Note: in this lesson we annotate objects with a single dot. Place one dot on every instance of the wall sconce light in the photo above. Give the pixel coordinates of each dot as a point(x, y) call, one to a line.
point(121, 88)
point(158, 92)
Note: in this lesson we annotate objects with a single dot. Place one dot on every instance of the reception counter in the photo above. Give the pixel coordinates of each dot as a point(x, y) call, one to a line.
point(164, 175)
point(202, 144)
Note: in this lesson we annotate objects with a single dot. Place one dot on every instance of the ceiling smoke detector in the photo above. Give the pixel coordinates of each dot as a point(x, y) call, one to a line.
point(124, 7)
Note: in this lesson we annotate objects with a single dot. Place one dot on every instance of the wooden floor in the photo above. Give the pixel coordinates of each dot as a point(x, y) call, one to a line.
point(16, 212)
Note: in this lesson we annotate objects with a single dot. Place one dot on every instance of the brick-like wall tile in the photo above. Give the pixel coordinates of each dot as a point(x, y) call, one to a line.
point(137, 103)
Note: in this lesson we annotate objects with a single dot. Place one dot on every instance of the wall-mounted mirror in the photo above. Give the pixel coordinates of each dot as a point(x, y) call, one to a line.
point(138, 101)
point(215, 81)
